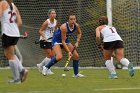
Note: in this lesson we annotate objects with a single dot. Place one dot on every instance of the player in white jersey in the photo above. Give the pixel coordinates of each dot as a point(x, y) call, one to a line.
point(10, 23)
point(112, 42)
point(46, 34)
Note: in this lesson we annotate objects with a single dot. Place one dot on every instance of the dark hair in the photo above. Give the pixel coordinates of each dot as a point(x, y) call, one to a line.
point(10, 4)
point(71, 12)
point(103, 20)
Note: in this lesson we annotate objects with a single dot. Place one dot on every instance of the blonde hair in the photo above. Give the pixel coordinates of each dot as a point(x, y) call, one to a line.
point(50, 10)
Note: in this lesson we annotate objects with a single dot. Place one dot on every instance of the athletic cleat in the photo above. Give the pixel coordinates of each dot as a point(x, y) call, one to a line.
point(44, 71)
point(23, 75)
point(78, 75)
point(49, 72)
point(39, 67)
point(14, 81)
point(131, 69)
point(113, 76)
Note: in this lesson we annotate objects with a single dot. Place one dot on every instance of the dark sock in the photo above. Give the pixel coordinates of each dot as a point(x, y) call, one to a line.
point(52, 62)
point(75, 66)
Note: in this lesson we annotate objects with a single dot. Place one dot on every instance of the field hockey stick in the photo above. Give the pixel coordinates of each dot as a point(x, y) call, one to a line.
point(24, 36)
point(68, 60)
point(38, 41)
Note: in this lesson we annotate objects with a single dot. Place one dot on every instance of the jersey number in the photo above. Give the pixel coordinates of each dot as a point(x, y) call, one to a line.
point(111, 30)
point(11, 16)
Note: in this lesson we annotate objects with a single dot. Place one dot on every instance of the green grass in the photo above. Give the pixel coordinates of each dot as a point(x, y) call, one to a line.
point(96, 81)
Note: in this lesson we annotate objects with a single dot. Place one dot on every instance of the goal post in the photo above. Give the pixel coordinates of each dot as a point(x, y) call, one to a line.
point(109, 11)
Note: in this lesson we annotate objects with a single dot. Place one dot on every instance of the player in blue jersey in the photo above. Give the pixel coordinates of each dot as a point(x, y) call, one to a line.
point(60, 38)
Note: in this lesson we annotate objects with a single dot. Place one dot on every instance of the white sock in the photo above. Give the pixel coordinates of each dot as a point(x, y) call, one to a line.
point(20, 66)
point(124, 62)
point(110, 66)
point(18, 54)
point(111, 59)
point(45, 61)
point(14, 67)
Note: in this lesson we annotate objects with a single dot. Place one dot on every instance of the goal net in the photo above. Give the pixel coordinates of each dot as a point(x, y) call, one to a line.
point(125, 19)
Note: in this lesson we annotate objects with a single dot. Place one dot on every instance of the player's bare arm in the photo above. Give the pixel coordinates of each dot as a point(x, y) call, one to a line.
point(78, 35)
point(43, 27)
point(63, 36)
point(98, 37)
point(56, 25)
point(1, 8)
point(19, 20)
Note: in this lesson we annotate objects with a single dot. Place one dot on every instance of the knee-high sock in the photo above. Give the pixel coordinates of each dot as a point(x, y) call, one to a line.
point(51, 62)
point(45, 61)
point(75, 66)
point(124, 62)
point(20, 66)
point(18, 54)
point(110, 66)
point(14, 67)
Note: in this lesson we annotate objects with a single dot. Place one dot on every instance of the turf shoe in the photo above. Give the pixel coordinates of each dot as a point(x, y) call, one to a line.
point(39, 67)
point(14, 81)
point(49, 72)
point(79, 75)
point(131, 69)
point(23, 75)
point(44, 71)
point(113, 76)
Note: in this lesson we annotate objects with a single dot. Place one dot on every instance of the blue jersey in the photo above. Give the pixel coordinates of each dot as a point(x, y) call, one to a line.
point(57, 35)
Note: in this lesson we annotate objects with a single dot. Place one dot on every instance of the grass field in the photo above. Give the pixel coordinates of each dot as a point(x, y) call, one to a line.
point(96, 81)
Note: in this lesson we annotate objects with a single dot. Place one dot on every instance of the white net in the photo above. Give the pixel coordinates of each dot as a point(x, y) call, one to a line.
point(125, 18)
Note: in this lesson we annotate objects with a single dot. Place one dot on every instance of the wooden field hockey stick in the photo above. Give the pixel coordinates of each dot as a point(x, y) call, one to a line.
point(68, 60)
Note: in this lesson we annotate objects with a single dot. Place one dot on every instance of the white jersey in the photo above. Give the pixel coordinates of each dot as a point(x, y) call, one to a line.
point(8, 22)
point(110, 34)
point(48, 32)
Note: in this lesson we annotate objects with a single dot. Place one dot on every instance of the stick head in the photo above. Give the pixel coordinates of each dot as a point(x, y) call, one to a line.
point(66, 69)
point(37, 42)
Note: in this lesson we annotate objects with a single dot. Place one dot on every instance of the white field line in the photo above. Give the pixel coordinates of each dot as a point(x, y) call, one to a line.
point(61, 91)
point(115, 89)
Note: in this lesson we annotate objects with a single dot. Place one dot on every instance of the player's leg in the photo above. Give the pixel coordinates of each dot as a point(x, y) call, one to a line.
point(124, 61)
point(18, 54)
point(58, 56)
point(75, 62)
point(9, 53)
point(47, 48)
point(109, 63)
point(22, 70)
point(49, 55)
